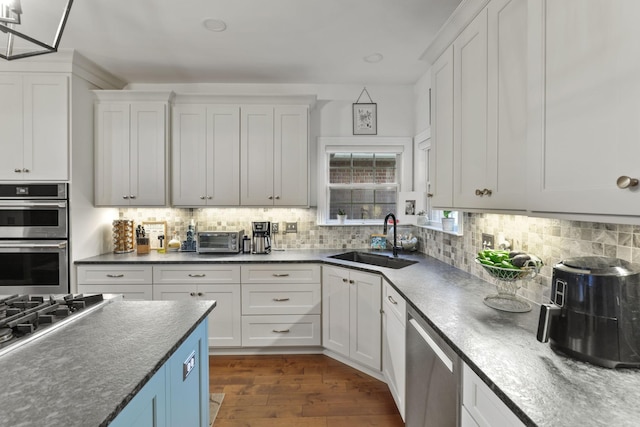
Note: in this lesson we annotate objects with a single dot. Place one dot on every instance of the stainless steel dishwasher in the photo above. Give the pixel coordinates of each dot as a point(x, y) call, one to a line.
point(433, 377)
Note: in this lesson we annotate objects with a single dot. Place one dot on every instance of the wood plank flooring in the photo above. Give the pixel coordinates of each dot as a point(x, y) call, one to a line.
point(298, 391)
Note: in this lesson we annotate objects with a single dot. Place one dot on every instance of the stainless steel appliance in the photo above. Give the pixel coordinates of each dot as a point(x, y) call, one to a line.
point(26, 317)
point(220, 242)
point(594, 311)
point(34, 238)
point(433, 377)
point(261, 237)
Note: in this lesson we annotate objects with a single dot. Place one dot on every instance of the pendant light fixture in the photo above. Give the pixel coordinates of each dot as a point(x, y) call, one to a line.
point(31, 27)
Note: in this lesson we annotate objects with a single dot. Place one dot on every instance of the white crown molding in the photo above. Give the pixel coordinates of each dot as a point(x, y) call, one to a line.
point(459, 19)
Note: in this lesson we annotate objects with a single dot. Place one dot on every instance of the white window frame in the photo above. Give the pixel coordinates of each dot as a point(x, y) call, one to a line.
point(403, 146)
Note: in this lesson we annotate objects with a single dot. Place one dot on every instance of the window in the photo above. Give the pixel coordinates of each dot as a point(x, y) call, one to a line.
point(362, 177)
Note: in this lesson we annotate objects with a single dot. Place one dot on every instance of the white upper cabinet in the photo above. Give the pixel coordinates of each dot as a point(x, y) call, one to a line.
point(274, 155)
point(441, 156)
point(34, 117)
point(584, 60)
point(131, 148)
point(205, 155)
point(490, 109)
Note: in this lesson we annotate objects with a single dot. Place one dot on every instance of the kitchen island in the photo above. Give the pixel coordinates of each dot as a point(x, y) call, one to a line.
point(88, 371)
point(542, 387)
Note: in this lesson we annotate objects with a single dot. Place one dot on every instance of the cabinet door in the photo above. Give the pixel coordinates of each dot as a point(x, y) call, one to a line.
point(441, 158)
point(256, 148)
point(393, 345)
point(148, 151)
point(112, 157)
point(46, 127)
point(365, 319)
point(223, 156)
point(189, 155)
point(335, 309)
point(585, 58)
point(290, 180)
point(507, 100)
point(148, 408)
point(11, 123)
point(470, 112)
point(225, 321)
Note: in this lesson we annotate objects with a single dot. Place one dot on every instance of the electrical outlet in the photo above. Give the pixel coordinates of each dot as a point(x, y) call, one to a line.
point(487, 241)
point(291, 227)
point(275, 227)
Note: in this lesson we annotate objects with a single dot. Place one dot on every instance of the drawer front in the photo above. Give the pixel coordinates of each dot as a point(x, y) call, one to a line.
point(115, 274)
point(288, 298)
point(281, 273)
point(129, 293)
point(281, 330)
point(196, 273)
point(394, 302)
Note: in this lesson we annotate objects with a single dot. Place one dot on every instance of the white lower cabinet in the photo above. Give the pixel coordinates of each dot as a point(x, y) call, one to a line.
point(394, 343)
point(218, 282)
point(351, 318)
point(134, 282)
point(481, 407)
point(281, 305)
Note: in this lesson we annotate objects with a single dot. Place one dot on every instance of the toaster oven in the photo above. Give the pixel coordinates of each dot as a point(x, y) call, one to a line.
point(220, 242)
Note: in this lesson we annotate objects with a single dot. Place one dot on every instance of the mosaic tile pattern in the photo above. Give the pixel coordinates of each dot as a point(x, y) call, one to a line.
point(551, 239)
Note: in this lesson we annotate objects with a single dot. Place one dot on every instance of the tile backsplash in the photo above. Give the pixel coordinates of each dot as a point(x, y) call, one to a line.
point(551, 239)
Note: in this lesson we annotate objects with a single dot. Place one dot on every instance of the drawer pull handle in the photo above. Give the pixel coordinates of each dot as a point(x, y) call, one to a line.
point(281, 299)
point(197, 275)
point(115, 276)
point(391, 300)
point(280, 274)
point(281, 331)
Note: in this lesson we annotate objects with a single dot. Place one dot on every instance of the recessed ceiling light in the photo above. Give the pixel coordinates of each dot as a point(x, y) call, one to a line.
point(373, 58)
point(215, 25)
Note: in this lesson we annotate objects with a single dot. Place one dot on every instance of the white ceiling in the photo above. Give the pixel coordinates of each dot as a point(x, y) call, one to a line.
point(266, 41)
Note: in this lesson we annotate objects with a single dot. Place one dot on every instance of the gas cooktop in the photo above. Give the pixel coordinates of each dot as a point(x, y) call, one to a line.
point(26, 317)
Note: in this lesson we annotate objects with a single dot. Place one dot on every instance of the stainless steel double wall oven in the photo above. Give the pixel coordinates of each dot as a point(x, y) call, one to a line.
point(34, 233)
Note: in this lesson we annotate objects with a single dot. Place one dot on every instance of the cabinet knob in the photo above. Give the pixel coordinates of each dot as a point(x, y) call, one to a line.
point(429, 194)
point(193, 294)
point(131, 196)
point(125, 197)
point(345, 280)
point(483, 192)
point(26, 170)
point(352, 282)
point(626, 182)
point(209, 197)
point(17, 170)
point(270, 197)
point(277, 197)
point(200, 294)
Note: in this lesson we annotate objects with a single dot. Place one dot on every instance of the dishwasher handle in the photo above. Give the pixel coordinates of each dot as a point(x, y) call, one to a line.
point(431, 343)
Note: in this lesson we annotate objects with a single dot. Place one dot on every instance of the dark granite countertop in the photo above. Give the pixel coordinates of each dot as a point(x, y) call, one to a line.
point(542, 387)
point(85, 373)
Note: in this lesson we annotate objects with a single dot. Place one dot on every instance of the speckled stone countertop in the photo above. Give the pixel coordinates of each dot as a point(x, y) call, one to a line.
point(84, 373)
point(542, 387)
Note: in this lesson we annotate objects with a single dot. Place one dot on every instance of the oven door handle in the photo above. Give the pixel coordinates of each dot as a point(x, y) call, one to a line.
point(21, 204)
point(19, 245)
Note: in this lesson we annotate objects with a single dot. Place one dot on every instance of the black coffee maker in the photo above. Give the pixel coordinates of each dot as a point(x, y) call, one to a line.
point(261, 237)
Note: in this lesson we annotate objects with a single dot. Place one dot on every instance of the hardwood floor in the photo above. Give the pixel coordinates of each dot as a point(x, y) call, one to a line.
point(298, 391)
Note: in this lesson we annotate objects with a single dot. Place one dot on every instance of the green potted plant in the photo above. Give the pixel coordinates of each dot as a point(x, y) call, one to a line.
point(447, 221)
point(342, 216)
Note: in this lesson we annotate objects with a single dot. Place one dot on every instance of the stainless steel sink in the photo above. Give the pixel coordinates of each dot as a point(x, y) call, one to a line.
point(374, 259)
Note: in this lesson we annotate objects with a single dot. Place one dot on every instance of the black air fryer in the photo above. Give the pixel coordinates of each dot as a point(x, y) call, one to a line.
point(594, 312)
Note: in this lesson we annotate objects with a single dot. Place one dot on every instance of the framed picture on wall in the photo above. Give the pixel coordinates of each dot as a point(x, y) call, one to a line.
point(409, 204)
point(365, 119)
